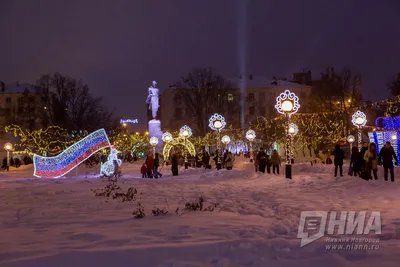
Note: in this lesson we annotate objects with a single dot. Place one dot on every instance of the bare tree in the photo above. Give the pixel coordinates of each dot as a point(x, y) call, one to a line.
point(394, 85)
point(202, 93)
point(69, 104)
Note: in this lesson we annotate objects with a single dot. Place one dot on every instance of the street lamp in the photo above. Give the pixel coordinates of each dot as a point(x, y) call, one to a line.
point(351, 139)
point(287, 103)
point(393, 136)
point(167, 137)
point(153, 143)
point(8, 147)
point(251, 135)
point(185, 132)
point(293, 130)
point(217, 123)
point(226, 140)
point(359, 119)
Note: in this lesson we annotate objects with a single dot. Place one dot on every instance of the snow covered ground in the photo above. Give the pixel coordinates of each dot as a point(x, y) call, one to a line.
point(59, 223)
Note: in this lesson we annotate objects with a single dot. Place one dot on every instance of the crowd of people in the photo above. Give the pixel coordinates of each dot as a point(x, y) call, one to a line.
point(263, 162)
point(151, 166)
point(364, 163)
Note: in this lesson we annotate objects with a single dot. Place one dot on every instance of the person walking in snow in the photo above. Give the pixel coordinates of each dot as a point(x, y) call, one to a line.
point(275, 161)
point(386, 157)
point(262, 158)
point(371, 161)
point(229, 161)
point(355, 162)
point(174, 164)
point(143, 170)
point(338, 154)
point(156, 166)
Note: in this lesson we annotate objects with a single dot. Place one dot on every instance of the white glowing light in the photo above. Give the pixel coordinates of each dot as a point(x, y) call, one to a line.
point(226, 139)
point(129, 121)
point(359, 119)
point(8, 146)
point(108, 168)
point(287, 103)
point(185, 131)
point(167, 137)
point(393, 136)
point(58, 166)
point(293, 129)
point(217, 122)
point(153, 141)
point(351, 138)
point(250, 135)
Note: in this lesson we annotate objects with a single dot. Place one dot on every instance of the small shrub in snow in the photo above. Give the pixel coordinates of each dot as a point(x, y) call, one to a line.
point(138, 213)
point(197, 205)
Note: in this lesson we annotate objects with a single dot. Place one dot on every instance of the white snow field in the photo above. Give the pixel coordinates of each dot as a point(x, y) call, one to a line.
point(59, 222)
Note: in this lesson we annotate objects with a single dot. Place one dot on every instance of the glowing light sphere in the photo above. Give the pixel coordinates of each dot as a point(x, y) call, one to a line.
point(167, 137)
point(293, 129)
point(287, 106)
point(359, 119)
point(250, 135)
point(351, 138)
point(185, 131)
point(393, 136)
point(57, 166)
point(226, 139)
point(8, 146)
point(217, 122)
point(153, 141)
point(287, 103)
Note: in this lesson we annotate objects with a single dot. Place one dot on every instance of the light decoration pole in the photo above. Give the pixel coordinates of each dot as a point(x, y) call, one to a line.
point(251, 135)
point(153, 143)
point(167, 137)
point(293, 130)
point(217, 123)
point(225, 140)
point(287, 103)
point(359, 119)
point(351, 139)
point(8, 147)
point(185, 132)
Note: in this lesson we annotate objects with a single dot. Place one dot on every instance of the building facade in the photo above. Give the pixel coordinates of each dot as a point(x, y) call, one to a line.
point(20, 104)
point(260, 95)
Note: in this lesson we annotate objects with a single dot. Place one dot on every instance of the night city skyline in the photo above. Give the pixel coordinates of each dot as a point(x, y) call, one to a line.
point(118, 48)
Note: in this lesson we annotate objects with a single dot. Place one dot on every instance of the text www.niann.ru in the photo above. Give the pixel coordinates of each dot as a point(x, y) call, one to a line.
point(352, 244)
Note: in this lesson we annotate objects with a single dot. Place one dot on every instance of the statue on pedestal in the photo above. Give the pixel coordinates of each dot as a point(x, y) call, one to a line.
point(152, 99)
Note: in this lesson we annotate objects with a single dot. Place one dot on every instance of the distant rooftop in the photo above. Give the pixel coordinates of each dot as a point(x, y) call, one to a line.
point(19, 88)
point(264, 82)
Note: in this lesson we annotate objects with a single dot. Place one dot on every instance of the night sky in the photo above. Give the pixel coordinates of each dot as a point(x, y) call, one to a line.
point(118, 47)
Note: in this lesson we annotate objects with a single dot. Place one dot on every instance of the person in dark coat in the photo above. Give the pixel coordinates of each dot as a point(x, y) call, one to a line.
point(355, 162)
point(386, 157)
point(156, 166)
point(206, 160)
point(174, 164)
point(338, 153)
point(362, 153)
point(262, 159)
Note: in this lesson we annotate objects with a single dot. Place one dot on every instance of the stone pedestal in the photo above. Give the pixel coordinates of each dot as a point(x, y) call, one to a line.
point(155, 130)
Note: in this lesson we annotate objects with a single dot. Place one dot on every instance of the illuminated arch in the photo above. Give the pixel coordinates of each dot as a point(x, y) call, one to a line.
point(178, 141)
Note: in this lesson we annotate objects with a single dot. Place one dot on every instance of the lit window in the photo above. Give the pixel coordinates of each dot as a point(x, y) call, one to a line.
point(230, 97)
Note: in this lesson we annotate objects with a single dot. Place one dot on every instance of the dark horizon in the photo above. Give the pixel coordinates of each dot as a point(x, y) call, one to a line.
point(119, 48)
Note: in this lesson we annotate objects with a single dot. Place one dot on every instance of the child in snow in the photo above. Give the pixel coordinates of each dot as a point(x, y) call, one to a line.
point(143, 170)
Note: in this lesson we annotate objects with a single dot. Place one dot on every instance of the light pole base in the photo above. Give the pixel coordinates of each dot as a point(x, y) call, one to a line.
point(186, 165)
point(288, 171)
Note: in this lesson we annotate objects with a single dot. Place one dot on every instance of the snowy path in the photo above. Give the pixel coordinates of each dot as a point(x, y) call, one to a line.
point(60, 223)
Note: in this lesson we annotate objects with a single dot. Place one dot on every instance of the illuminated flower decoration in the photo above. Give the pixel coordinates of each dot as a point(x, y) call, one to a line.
point(287, 103)
point(226, 139)
point(293, 129)
point(351, 138)
point(250, 135)
point(153, 141)
point(167, 137)
point(359, 119)
point(185, 131)
point(217, 122)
